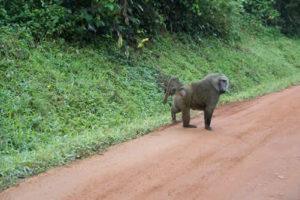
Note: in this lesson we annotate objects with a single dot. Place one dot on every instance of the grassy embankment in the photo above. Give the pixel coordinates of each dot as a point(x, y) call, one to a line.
point(59, 102)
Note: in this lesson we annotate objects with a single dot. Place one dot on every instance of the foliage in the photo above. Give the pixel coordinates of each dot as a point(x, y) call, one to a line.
point(42, 19)
point(123, 20)
point(285, 14)
point(127, 21)
point(289, 20)
point(262, 9)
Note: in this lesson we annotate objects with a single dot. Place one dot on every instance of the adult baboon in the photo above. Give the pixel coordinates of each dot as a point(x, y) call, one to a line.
point(202, 95)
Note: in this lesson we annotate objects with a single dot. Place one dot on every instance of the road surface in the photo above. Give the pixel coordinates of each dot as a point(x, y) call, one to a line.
point(252, 153)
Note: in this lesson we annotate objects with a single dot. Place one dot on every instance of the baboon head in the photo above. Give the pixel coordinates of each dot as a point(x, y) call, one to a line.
point(220, 83)
point(172, 86)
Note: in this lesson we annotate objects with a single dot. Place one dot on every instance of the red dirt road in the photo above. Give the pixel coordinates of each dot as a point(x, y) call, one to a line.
point(252, 153)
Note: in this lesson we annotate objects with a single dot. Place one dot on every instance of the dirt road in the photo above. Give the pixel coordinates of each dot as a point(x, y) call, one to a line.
point(252, 153)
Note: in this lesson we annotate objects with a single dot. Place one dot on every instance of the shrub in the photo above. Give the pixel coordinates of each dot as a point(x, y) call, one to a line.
point(289, 19)
point(122, 20)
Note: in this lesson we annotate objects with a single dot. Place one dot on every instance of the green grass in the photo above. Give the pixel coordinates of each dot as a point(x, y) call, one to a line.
point(59, 102)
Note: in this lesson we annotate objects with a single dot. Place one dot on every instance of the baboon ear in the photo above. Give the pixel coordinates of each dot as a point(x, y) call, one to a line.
point(224, 78)
point(215, 83)
point(227, 85)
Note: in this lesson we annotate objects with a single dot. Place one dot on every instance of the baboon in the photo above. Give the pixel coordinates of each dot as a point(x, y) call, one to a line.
point(202, 95)
point(171, 87)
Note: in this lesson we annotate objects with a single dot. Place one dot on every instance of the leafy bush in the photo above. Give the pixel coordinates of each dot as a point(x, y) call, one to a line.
point(289, 20)
point(262, 9)
point(284, 14)
point(123, 20)
point(131, 20)
point(42, 19)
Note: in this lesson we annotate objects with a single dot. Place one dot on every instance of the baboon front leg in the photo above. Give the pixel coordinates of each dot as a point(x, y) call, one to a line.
point(207, 118)
point(186, 119)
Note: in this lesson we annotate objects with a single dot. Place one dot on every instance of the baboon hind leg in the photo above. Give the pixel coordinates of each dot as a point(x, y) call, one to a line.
point(186, 119)
point(174, 110)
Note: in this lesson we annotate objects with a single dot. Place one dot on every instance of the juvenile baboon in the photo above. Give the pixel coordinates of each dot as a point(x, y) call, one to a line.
point(202, 95)
point(171, 87)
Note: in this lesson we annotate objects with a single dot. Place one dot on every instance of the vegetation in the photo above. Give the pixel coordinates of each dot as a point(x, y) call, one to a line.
point(128, 20)
point(78, 76)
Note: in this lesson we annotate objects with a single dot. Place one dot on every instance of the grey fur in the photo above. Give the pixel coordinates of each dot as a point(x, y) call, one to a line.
point(202, 95)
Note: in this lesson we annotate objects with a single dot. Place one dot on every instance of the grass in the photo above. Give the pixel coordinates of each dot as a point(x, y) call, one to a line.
point(59, 102)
